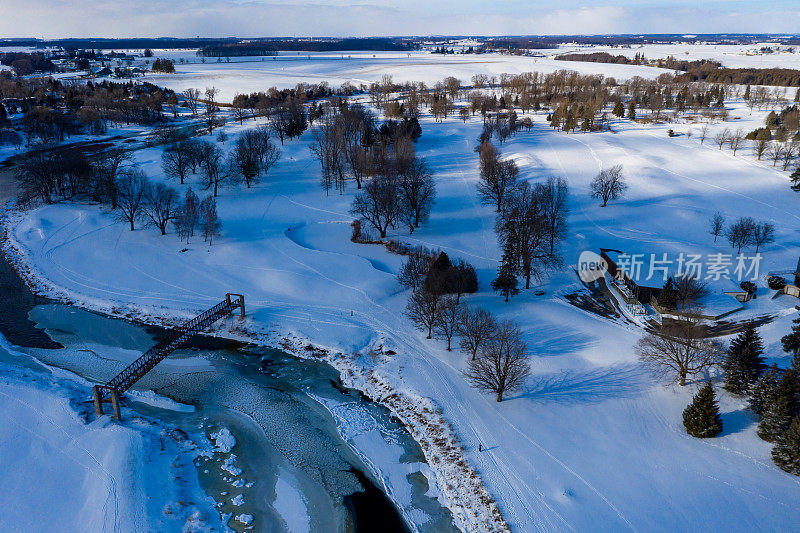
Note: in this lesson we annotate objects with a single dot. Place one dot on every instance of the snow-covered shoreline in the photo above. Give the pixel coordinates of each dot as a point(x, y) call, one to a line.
point(463, 491)
point(108, 467)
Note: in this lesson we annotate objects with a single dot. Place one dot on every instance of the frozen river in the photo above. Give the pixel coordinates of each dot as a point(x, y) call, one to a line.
point(306, 453)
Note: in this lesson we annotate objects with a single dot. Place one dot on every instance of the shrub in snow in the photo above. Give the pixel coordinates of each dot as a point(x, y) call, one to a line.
point(748, 286)
point(776, 283)
point(701, 418)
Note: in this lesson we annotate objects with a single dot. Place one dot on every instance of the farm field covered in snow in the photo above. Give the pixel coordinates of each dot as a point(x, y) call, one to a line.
point(592, 441)
point(246, 75)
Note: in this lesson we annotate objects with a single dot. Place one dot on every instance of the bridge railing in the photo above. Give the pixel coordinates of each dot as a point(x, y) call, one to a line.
point(144, 363)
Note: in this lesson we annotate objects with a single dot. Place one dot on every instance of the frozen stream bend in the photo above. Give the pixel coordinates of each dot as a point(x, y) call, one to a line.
point(309, 454)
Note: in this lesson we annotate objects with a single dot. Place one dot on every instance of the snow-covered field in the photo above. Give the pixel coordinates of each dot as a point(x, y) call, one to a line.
point(730, 55)
point(246, 75)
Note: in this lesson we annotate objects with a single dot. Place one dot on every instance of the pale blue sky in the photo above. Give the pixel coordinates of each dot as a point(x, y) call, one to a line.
point(218, 18)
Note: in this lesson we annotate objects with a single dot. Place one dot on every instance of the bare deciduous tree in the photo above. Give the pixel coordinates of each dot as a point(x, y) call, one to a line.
point(176, 160)
point(215, 170)
point(609, 184)
point(447, 323)
point(763, 233)
point(475, 327)
point(211, 108)
point(722, 137)
point(412, 273)
point(188, 215)
point(703, 132)
point(160, 204)
point(555, 199)
point(741, 233)
point(416, 194)
point(423, 309)
point(717, 225)
point(502, 365)
point(678, 348)
point(210, 223)
point(496, 176)
point(132, 187)
point(377, 203)
point(192, 96)
point(688, 290)
point(735, 140)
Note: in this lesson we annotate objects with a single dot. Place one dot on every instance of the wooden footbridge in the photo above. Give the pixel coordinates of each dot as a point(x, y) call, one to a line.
point(111, 391)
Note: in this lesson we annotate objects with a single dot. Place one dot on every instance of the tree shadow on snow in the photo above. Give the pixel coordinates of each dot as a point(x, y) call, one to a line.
point(592, 386)
point(736, 421)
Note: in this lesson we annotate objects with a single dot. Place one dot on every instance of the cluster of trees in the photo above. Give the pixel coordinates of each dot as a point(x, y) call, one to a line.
point(110, 178)
point(270, 47)
point(531, 219)
point(263, 103)
point(501, 125)
point(669, 62)
point(401, 190)
point(774, 394)
point(710, 73)
point(498, 355)
point(165, 66)
point(158, 205)
point(25, 63)
point(45, 176)
point(252, 157)
point(743, 232)
point(679, 348)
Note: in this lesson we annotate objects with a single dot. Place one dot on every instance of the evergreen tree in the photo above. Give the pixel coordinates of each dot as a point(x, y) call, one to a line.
point(795, 177)
point(701, 418)
point(747, 93)
point(506, 281)
point(668, 297)
point(632, 110)
point(777, 415)
point(763, 392)
point(744, 364)
point(791, 344)
point(786, 453)
point(619, 109)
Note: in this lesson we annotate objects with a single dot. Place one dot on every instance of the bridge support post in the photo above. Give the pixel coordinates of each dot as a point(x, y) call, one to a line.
point(115, 404)
point(98, 400)
point(239, 297)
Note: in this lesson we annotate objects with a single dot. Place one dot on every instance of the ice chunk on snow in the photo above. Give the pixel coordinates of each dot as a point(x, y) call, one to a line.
point(224, 441)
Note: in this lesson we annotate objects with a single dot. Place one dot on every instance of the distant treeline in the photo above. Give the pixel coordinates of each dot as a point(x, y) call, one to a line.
point(521, 43)
point(237, 50)
point(782, 77)
point(115, 44)
point(270, 47)
point(639, 59)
